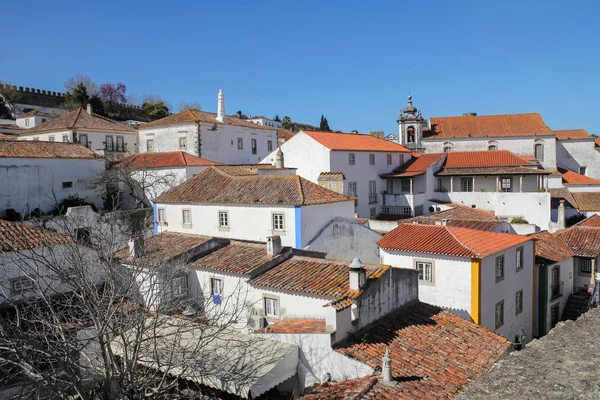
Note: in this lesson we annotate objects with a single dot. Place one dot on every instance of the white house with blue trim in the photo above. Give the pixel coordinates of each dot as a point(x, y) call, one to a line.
point(239, 203)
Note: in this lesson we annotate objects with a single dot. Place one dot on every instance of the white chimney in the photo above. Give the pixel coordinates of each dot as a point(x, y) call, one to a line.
point(221, 117)
point(386, 366)
point(358, 274)
point(136, 246)
point(274, 245)
point(279, 158)
point(441, 222)
point(561, 215)
point(89, 109)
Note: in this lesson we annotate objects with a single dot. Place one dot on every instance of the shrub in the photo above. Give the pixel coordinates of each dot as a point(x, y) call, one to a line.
point(13, 215)
point(572, 220)
point(37, 213)
point(519, 220)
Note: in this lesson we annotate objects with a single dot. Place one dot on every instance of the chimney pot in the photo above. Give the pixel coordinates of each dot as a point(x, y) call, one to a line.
point(89, 109)
point(279, 161)
point(357, 274)
point(386, 366)
point(470, 114)
point(274, 246)
point(136, 246)
point(561, 215)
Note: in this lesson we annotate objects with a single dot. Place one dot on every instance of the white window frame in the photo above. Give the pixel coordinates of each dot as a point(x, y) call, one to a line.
point(499, 314)
point(253, 146)
point(269, 145)
point(585, 263)
point(583, 170)
point(373, 192)
point(149, 145)
point(120, 145)
point(425, 271)
point(51, 138)
point(278, 221)
point(240, 143)
point(65, 138)
point(373, 212)
point(469, 182)
point(182, 143)
point(223, 219)
point(351, 159)
point(160, 214)
point(388, 158)
point(405, 185)
point(109, 139)
point(520, 258)
point(216, 286)
point(519, 302)
point(271, 307)
point(371, 159)
point(188, 212)
point(506, 188)
point(180, 286)
point(499, 267)
point(83, 139)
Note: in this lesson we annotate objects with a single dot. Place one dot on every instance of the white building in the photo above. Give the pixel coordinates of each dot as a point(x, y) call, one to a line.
point(576, 151)
point(486, 277)
point(42, 174)
point(264, 121)
point(92, 130)
point(360, 159)
point(217, 137)
point(236, 203)
point(32, 118)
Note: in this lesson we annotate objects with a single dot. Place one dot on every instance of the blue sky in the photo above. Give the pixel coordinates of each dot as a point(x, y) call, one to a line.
point(354, 62)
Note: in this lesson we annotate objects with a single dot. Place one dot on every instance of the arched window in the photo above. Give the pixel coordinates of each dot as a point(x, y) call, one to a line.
point(447, 147)
point(410, 134)
point(492, 147)
point(538, 151)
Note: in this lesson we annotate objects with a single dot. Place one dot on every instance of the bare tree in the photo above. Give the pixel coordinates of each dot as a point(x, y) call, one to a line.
point(190, 105)
point(73, 82)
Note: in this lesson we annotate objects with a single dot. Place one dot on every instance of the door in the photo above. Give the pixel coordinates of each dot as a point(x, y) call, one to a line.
point(554, 315)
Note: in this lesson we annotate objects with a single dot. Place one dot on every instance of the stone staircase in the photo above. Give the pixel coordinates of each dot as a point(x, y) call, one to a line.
point(576, 305)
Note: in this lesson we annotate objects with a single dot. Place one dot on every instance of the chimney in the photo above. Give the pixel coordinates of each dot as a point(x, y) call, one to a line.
point(221, 117)
point(136, 246)
point(470, 114)
point(354, 132)
point(441, 222)
point(279, 162)
point(274, 245)
point(358, 274)
point(89, 109)
point(561, 215)
point(386, 366)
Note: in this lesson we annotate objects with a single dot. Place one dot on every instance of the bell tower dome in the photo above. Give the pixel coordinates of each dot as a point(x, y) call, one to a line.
point(410, 126)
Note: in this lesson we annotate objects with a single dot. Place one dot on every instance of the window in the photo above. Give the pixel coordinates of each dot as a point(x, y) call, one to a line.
point(83, 139)
point(51, 138)
point(492, 147)
point(447, 149)
point(253, 145)
point(401, 159)
point(389, 186)
point(519, 258)
point(223, 219)
point(150, 145)
point(372, 192)
point(506, 184)
point(425, 271)
point(216, 286)
point(499, 268)
point(161, 215)
point(67, 185)
point(554, 315)
point(240, 143)
point(277, 222)
point(499, 314)
point(418, 210)
point(351, 159)
point(180, 286)
point(26, 121)
point(405, 185)
point(271, 307)
point(21, 285)
point(586, 266)
point(36, 139)
point(519, 302)
point(65, 139)
point(582, 170)
point(466, 184)
point(389, 159)
point(371, 159)
point(373, 212)
point(187, 217)
point(539, 151)
point(43, 120)
point(120, 144)
point(352, 191)
point(110, 144)
point(269, 145)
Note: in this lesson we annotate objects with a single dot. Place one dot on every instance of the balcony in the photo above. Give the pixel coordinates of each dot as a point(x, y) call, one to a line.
point(372, 199)
point(556, 291)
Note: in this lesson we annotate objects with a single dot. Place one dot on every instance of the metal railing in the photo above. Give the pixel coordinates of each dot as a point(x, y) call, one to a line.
point(556, 291)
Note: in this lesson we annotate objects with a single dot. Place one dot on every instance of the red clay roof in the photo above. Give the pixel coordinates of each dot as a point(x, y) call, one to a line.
point(471, 159)
point(317, 277)
point(551, 247)
point(584, 241)
point(434, 353)
point(216, 185)
point(460, 216)
point(285, 134)
point(569, 134)
point(15, 236)
point(597, 141)
point(314, 326)
point(354, 142)
point(585, 201)
point(488, 126)
point(33, 113)
point(39, 149)
point(593, 221)
point(7, 137)
point(195, 116)
point(237, 257)
point(416, 165)
point(164, 160)
point(573, 178)
point(79, 119)
point(448, 240)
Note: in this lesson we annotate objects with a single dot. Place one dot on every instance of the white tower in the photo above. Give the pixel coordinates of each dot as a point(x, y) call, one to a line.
point(386, 366)
point(410, 126)
point(279, 163)
point(221, 117)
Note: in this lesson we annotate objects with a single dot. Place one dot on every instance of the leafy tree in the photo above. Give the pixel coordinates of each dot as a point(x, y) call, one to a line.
point(189, 105)
point(241, 115)
point(287, 122)
point(154, 111)
point(79, 97)
point(98, 106)
point(324, 126)
point(277, 118)
point(113, 93)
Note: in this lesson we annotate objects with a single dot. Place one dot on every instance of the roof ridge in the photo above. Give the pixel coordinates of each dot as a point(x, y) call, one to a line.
point(300, 189)
point(192, 114)
point(451, 231)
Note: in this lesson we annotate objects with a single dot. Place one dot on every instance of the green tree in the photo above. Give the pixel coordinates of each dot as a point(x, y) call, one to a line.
point(277, 118)
point(79, 97)
point(324, 126)
point(241, 115)
point(154, 111)
point(287, 122)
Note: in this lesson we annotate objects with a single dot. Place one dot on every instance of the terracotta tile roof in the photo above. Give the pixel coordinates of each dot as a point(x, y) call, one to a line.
point(434, 353)
point(530, 158)
point(15, 236)
point(215, 185)
point(570, 134)
point(551, 247)
point(460, 216)
point(597, 141)
point(593, 221)
point(492, 171)
point(573, 178)
point(355, 142)
point(33, 113)
point(317, 277)
point(326, 175)
point(512, 125)
point(448, 240)
point(80, 119)
point(164, 160)
point(586, 201)
point(285, 134)
point(164, 247)
point(497, 158)
point(39, 149)
point(243, 258)
point(195, 116)
point(7, 137)
point(415, 166)
point(584, 241)
point(297, 326)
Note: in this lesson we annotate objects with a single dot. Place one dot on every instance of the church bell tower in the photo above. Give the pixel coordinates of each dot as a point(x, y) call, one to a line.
point(410, 126)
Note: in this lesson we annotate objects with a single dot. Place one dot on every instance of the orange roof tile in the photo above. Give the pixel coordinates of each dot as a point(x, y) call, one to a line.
point(573, 178)
point(448, 240)
point(488, 126)
point(585, 201)
point(460, 216)
point(194, 116)
point(39, 149)
point(584, 241)
point(551, 247)
point(434, 353)
point(33, 113)
point(220, 186)
point(593, 221)
point(471, 159)
point(79, 119)
point(570, 134)
point(597, 141)
point(285, 134)
point(164, 160)
point(354, 142)
point(314, 326)
point(7, 137)
point(15, 236)
point(416, 165)
point(318, 277)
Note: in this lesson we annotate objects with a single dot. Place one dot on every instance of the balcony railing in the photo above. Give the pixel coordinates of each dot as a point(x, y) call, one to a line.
point(556, 291)
point(372, 199)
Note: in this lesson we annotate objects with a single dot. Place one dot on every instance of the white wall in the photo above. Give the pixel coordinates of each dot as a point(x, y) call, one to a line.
point(95, 139)
point(572, 154)
point(581, 280)
point(28, 183)
point(159, 180)
point(316, 217)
